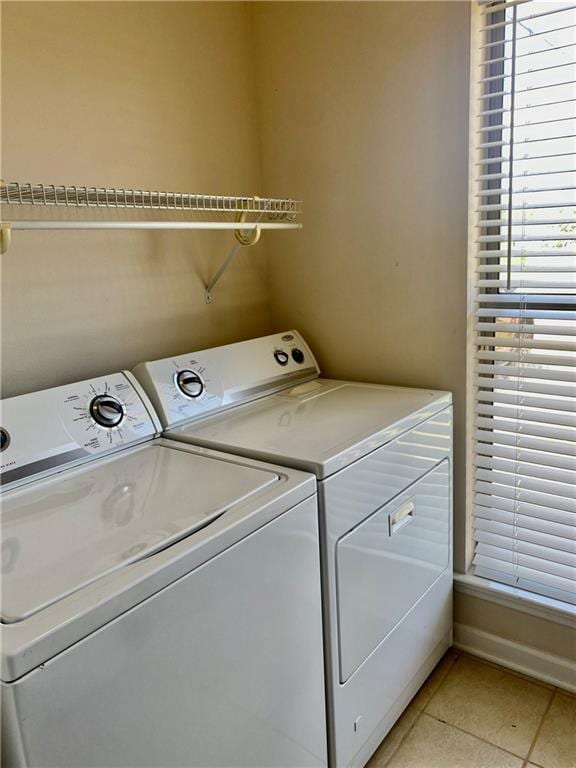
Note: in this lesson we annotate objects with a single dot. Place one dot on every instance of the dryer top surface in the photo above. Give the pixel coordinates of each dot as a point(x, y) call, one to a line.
point(321, 426)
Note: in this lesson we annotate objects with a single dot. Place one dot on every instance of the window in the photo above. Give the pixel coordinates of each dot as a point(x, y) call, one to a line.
point(524, 345)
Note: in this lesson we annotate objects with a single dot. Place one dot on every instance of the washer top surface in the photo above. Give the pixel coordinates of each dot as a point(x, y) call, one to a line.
point(321, 426)
point(62, 533)
point(98, 512)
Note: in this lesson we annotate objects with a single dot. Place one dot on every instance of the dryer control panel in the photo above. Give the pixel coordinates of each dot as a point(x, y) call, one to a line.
point(189, 386)
point(45, 432)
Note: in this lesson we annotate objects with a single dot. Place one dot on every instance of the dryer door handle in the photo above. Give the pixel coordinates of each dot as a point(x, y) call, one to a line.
point(401, 516)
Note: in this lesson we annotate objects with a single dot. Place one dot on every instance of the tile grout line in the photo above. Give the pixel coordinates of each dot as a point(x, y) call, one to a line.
point(418, 717)
point(526, 759)
point(508, 671)
point(475, 736)
point(423, 710)
point(551, 689)
point(541, 723)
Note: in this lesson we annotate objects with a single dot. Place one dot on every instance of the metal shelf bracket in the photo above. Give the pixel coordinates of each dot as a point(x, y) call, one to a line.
point(245, 239)
point(5, 237)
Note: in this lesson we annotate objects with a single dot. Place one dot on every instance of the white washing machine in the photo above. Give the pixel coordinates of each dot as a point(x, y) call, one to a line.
point(382, 458)
point(160, 602)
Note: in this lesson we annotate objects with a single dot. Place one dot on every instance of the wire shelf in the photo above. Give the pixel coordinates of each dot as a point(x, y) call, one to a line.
point(16, 193)
point(280, 213)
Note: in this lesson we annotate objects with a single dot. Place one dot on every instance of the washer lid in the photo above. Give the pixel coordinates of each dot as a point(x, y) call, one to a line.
point(61, 534)
point(321, 426)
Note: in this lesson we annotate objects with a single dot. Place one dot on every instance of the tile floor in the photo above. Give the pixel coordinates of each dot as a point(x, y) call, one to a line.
point(473, 714)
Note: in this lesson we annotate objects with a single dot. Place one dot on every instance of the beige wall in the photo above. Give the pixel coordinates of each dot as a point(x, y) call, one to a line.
point(363, 114)
point(152, 95)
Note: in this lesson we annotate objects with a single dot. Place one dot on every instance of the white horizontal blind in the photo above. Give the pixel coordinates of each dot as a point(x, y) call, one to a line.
point(525, 288)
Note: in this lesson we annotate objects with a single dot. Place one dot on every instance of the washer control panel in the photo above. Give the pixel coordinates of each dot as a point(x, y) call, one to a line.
point(45, 432)
point(190, 386)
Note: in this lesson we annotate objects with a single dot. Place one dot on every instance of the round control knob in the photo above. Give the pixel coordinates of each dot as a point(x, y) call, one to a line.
point(106, 411)
point(297, 355)
point(281, 357)
point(4, 439)
point(189, 383)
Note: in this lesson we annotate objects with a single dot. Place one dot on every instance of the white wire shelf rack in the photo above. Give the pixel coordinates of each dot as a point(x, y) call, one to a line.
point(271, 213)
point(50, 195)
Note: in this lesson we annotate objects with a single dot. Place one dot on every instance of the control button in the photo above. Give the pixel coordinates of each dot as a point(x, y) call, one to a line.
point(4, 439)
point(106, 411)
point(297, 355)
point(281, 357)
point(189, 383)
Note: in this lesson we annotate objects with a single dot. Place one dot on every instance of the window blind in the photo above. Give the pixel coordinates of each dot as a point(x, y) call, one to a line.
point(524, 382)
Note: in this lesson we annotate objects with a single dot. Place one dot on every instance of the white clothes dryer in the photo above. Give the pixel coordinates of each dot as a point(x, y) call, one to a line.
point(382, 459)
point(160, 602)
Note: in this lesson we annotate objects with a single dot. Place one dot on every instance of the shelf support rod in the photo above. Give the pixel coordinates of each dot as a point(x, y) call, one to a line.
point(245, 239)
point(223, 267)
point(144, 224)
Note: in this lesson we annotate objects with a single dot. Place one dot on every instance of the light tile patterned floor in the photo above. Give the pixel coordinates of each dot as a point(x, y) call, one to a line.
point(473, 714)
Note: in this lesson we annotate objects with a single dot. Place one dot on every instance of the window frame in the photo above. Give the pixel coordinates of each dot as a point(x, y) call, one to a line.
point(474, 390)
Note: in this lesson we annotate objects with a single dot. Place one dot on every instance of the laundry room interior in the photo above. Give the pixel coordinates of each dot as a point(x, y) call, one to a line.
point(288, 417)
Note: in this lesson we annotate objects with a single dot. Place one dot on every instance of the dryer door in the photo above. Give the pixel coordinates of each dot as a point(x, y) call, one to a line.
point(388, 561)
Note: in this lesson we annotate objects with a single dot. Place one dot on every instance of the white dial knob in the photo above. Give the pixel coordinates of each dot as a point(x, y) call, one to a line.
point(106, 411)
point(189, 383)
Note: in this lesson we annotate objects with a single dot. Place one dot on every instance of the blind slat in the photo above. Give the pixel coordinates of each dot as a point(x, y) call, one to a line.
point(501, 110)
point(526, 174)
point(554, 67)
point(503, 159)
point(543, 548)
point(526, 314)
point(530, 429)
point(555, 574)
point(527, 90)
point(522, 19)
point(526, 254)
point(527, 469)
point(529, 223)
point(528, 284)
point(522, 372)
point(526, 358)
point(554, 535)
point(522, 298)
point(525, 386)
point(512, 485)
point(526, 584)
point(528, 267)
point(517, 506)
point(531, 456)
point(565, 28)
point(527, 125)
point(489, 65)
point(554, 447)
point(530, 207)
point(521, 399)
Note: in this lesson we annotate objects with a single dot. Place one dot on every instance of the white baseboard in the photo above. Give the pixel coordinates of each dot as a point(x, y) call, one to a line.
point(555, 670)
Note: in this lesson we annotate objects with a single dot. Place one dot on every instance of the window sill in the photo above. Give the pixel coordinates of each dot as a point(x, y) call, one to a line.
point(516, 599)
